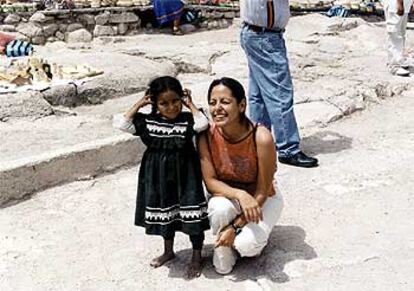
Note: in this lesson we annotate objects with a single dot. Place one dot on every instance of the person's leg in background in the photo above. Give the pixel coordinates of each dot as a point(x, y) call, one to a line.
point(396, 27)
point(257, 110)
point(272, 87)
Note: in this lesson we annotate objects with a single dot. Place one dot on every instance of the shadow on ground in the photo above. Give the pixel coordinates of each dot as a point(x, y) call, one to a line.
point(325, 142)
point(286, 244)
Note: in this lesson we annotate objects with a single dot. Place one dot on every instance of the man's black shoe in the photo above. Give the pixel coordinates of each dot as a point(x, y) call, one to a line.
point(299, 160)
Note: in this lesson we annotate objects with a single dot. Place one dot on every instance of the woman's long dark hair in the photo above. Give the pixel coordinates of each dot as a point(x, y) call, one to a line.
point(234, 86)
point(160, 85)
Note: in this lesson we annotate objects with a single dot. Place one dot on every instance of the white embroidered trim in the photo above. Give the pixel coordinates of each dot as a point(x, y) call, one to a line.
point(174, 214)
point(166, 136)
point(202, 204)
point(179, 129)
point(177, 219)
point(166, 124)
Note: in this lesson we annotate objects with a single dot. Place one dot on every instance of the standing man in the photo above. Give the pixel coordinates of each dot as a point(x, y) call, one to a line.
point(270, 84)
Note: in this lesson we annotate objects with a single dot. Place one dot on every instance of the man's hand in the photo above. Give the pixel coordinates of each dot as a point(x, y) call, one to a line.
point(226, 237)
point(400, 7)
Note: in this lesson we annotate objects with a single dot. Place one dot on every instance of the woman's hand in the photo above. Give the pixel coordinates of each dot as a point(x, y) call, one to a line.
point(226, 237)
point(251, 209)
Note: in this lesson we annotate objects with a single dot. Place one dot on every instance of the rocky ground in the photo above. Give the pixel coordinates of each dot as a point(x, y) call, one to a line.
point(345, 225)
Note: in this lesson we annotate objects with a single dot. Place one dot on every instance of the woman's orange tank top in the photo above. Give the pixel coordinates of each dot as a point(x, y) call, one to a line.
point(235, 163)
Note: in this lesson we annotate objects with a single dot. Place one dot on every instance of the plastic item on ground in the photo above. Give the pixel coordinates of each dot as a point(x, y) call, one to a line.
point(339, 11)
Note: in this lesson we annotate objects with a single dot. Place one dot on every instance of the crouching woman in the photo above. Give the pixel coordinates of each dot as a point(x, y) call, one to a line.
point(238, 162)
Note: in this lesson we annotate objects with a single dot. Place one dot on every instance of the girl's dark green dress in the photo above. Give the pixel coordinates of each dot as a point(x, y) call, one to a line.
point(170, 193)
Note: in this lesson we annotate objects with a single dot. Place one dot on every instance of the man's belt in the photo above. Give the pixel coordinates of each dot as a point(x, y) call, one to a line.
point(256, 28)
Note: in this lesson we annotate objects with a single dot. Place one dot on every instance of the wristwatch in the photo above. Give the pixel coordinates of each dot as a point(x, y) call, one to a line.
point(237, 229)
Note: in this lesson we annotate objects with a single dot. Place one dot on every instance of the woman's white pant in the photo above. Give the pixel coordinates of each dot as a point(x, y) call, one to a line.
point(254, 236)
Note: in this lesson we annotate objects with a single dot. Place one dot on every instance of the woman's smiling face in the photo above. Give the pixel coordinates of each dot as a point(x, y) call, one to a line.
point(223, 106)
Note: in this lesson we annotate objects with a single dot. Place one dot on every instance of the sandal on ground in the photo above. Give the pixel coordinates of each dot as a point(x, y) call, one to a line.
point(177, 31)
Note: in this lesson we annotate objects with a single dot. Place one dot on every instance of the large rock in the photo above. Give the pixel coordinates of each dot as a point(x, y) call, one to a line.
point(7, 28)
point(50, 29)
point(12, 19)
point(86, 19)
point(63, 27)
point(101, 30)
point(122, 28)
point(316, 114)
point(40, 18)
point(38, 39)
point(80, 35)
point(187, 28)
point(60, 35)
point(65, 95)
point(74, 26)
point(25, 104)
point(52, 39)
point(230, 15)
point(30, 29)
point(126, 17)
point(103, 18)
point(20, 36)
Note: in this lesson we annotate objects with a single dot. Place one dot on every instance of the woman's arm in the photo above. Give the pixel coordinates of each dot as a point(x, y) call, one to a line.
point(249, 205)
point(266, 156)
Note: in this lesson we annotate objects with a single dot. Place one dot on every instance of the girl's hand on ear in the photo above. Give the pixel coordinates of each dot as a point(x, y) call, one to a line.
point(187, 100)
point(144, 101)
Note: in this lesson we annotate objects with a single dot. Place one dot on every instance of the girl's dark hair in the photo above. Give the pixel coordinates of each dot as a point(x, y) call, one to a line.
point(235, 87)
point(237, 90)
point(160, 85)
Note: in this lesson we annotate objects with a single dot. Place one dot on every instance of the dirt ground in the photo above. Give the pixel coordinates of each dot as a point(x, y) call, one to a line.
point(347, 225)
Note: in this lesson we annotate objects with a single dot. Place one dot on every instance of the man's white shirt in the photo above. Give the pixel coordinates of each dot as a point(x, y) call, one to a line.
point(273, 14)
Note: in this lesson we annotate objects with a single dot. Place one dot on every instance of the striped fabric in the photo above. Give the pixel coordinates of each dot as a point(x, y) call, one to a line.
point(18, 48)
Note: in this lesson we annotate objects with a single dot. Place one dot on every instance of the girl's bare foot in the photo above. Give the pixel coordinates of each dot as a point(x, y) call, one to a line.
point(161, 260)
point(195, 266)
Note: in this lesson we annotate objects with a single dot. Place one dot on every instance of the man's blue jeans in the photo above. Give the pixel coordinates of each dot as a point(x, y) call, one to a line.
point(270, 87)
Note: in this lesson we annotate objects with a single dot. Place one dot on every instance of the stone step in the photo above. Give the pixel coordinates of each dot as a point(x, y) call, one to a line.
point(83, 161)
point(72, 145)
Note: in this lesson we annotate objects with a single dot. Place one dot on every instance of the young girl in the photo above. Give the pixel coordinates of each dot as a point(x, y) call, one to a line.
point(170, 195)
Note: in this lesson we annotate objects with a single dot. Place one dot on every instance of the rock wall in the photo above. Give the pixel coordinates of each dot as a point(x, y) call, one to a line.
point(82, 25)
